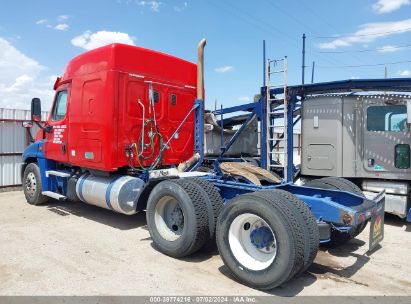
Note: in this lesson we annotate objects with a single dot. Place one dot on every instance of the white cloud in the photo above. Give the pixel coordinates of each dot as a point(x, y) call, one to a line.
point(42, 21)
point(21, 79)
point(388, 6)
point(404, 73)
point(153, 5)
point(62, 27)
point(369, 32)
point(89, 40)
point(224, 69)
point(244, 98)
point(181, 8)
point(63, 18)
point(388, 49)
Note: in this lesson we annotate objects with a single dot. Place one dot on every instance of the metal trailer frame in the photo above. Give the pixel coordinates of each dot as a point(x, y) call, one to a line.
point(296, 95)
point(321, 208)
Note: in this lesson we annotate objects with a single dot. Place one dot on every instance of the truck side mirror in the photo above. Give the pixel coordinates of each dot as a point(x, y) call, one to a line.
point(409, 111)
point(27, 124)
point(36, 109)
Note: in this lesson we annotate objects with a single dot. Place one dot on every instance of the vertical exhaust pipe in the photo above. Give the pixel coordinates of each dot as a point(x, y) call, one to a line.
point(200, 69)
point(200, 95)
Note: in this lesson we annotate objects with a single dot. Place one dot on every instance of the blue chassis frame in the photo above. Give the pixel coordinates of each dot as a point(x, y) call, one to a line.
point(327, 205)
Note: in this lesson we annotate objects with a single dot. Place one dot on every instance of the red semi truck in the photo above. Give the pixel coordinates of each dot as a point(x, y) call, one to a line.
point(108, 95)
point(125, 133)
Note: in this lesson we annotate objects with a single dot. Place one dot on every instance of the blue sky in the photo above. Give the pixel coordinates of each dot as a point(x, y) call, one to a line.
point(38, 38)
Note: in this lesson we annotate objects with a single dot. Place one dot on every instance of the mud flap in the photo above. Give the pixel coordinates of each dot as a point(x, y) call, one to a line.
point(377, 222)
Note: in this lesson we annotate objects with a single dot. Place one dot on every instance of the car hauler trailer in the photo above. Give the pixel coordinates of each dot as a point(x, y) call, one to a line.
point(126, 133)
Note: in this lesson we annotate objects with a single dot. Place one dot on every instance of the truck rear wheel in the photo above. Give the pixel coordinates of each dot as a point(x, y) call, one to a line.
point(215, 199)
point(257, 242)
point(310, 228)
point(343, 184)
point(337, 183)
point(177, 217)
point(32, 186)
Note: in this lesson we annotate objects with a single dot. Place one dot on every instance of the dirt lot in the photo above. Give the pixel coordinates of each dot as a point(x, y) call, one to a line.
point(73, 248)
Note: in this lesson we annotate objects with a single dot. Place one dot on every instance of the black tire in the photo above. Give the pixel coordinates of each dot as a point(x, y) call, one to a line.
point(32, 180)
point(349, 186)
point(192, 203)
point(337, 183)
point(215, 199)
point(278, 198)
point(312, 234)
point(289, 249)
point(360, 228)
point(317, 183)
point(343, 184)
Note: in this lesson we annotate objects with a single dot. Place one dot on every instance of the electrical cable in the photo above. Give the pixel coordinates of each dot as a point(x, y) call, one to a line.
point(323, 19)
point(365, 65)
point(265, 26)
point(381, 50)
point(364, 35)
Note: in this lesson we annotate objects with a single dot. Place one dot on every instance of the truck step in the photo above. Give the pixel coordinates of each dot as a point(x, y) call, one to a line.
point(57, 173)
point(55, 195)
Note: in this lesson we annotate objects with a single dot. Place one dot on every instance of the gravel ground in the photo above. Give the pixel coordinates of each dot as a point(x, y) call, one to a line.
point(77, 249)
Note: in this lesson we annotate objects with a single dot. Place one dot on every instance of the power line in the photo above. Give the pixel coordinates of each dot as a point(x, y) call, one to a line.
point(363, 65)
point(322, 18)
point(262, 24)
point(363, 35)
point(297, 20)
point(316, 15)
point(381, 49)
point(307, 27)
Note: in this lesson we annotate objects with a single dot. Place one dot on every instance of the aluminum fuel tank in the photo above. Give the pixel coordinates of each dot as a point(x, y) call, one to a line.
point(118, 193)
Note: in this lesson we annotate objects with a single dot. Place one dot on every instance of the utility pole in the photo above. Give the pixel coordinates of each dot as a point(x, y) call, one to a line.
point(385, 75)
point(312, 72)
point(303, 65)
point(264, 67)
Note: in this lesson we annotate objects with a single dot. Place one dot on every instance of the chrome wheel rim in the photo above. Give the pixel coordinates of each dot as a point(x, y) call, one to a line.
point(252, 242)
point(31, 184)
point(169, 218)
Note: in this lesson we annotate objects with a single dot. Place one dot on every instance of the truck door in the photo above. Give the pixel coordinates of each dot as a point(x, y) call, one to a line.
point(55, 144)
point(386, 142)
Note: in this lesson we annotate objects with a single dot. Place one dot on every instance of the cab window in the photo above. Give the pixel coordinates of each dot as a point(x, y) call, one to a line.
point(402, 156)
point(386, 118)
point(60, 107)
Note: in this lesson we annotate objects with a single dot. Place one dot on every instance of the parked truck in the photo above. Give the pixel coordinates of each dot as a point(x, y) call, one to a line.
point(364, 138)
point(126, 133)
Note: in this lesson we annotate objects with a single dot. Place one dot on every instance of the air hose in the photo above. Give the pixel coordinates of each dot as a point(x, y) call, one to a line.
point(152, 134)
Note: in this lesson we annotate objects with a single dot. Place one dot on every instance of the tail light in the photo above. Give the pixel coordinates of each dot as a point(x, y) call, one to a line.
point(361, 218)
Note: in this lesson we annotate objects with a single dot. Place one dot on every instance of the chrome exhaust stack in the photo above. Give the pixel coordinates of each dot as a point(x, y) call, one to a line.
point(200, 96)
point(200, 69)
